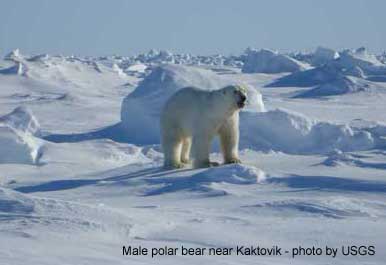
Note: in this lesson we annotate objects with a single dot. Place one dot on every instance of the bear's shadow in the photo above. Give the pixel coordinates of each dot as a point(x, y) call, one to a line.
point(158, 181)
point(114, 132)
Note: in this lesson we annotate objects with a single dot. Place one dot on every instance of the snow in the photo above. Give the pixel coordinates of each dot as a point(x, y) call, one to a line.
point(234, 174)
point(136, 69)
point(17, 69)
point(162, 57)
point(363, 59)
point(81, 166)
point(22, 119)
point(17, 147)
point(71, 217)
point(340, 86)
point(346, 74)
point(323, 55)
point(17, 138)
point(311, 77)
point(14, 55)
point(14, 202)
point(289, 132)
point(267, 61)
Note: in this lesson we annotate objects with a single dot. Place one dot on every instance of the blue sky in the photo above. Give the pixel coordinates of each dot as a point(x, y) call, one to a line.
point(126, 27)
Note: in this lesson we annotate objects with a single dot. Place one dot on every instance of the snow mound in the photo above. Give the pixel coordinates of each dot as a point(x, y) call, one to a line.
point(141, 109)
point(15, 202)
point(17, 69)
point(357, 63)
point(377, 78)
point(323, 55)
point(329, 73)
point(22, 119)
point(39, 58)
point(63, 215)
point(312, 77)
point(355, 71)
point(339, 86)
point(163, 57)
point(209, 182)
point(17, 147)
point(267, 61)
point(138, 69)
point(14, 55)
point(289, 132)
point(361, 58)
point(234, 174)
point(337, 157)
point(17, 138)
point(118, 70)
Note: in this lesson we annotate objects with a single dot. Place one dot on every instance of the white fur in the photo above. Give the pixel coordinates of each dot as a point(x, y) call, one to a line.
point(190, 120)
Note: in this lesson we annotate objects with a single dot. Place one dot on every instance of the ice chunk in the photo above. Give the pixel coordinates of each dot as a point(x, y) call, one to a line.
point(17, 138)
point(267, 61)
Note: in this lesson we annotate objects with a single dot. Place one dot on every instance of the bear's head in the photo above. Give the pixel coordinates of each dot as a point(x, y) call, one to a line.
point(236, 94)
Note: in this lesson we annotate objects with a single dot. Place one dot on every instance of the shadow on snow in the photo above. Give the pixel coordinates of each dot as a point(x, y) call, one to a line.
point(159, 181)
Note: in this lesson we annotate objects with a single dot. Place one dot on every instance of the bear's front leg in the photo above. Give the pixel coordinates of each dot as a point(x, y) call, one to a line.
point(229, 138)
point(200, 150)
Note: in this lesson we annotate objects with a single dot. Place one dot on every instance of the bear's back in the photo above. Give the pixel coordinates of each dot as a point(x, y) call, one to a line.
point(188, 96)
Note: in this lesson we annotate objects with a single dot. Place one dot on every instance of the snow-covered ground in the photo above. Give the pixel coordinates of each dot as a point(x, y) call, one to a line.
point(81, 168)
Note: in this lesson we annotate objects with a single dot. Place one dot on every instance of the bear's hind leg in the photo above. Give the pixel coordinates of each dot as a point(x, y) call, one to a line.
point(185, 153)
point(172, 152)
point(200, 151)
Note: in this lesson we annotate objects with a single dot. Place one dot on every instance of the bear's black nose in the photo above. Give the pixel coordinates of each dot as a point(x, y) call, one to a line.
point(243, 98)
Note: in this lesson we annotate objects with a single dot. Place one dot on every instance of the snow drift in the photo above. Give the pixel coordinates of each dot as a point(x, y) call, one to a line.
point(141, 109)
point(24, 210)
point(14, 55)
point(22, 119)
point(290, 132)
point(345, 59)
point(15, 203)
point(323, 55)
point(208, 182)
point(357, 63)
point(319, 57)
point(17, 69)
point(312, 77)
point(17, 138)
point(136, 69)
point(362, 59)
point(329, 79)
point(163, 57)
point(234, 174)
point(339, 86)
point(267, 61)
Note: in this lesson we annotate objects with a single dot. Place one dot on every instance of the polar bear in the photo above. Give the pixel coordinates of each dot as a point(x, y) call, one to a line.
point(192, 117)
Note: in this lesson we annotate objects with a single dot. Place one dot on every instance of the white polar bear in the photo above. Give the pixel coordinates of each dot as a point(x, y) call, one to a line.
point(192, 117)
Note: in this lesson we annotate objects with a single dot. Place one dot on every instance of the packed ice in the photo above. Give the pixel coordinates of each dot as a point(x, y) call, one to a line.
point(81, 162)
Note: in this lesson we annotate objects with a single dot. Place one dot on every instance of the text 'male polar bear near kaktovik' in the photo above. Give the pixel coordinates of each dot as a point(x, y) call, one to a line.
point(191, 118)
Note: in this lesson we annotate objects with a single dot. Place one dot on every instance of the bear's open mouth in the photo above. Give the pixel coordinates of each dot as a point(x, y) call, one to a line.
point(242, 100)
point(241, 104)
